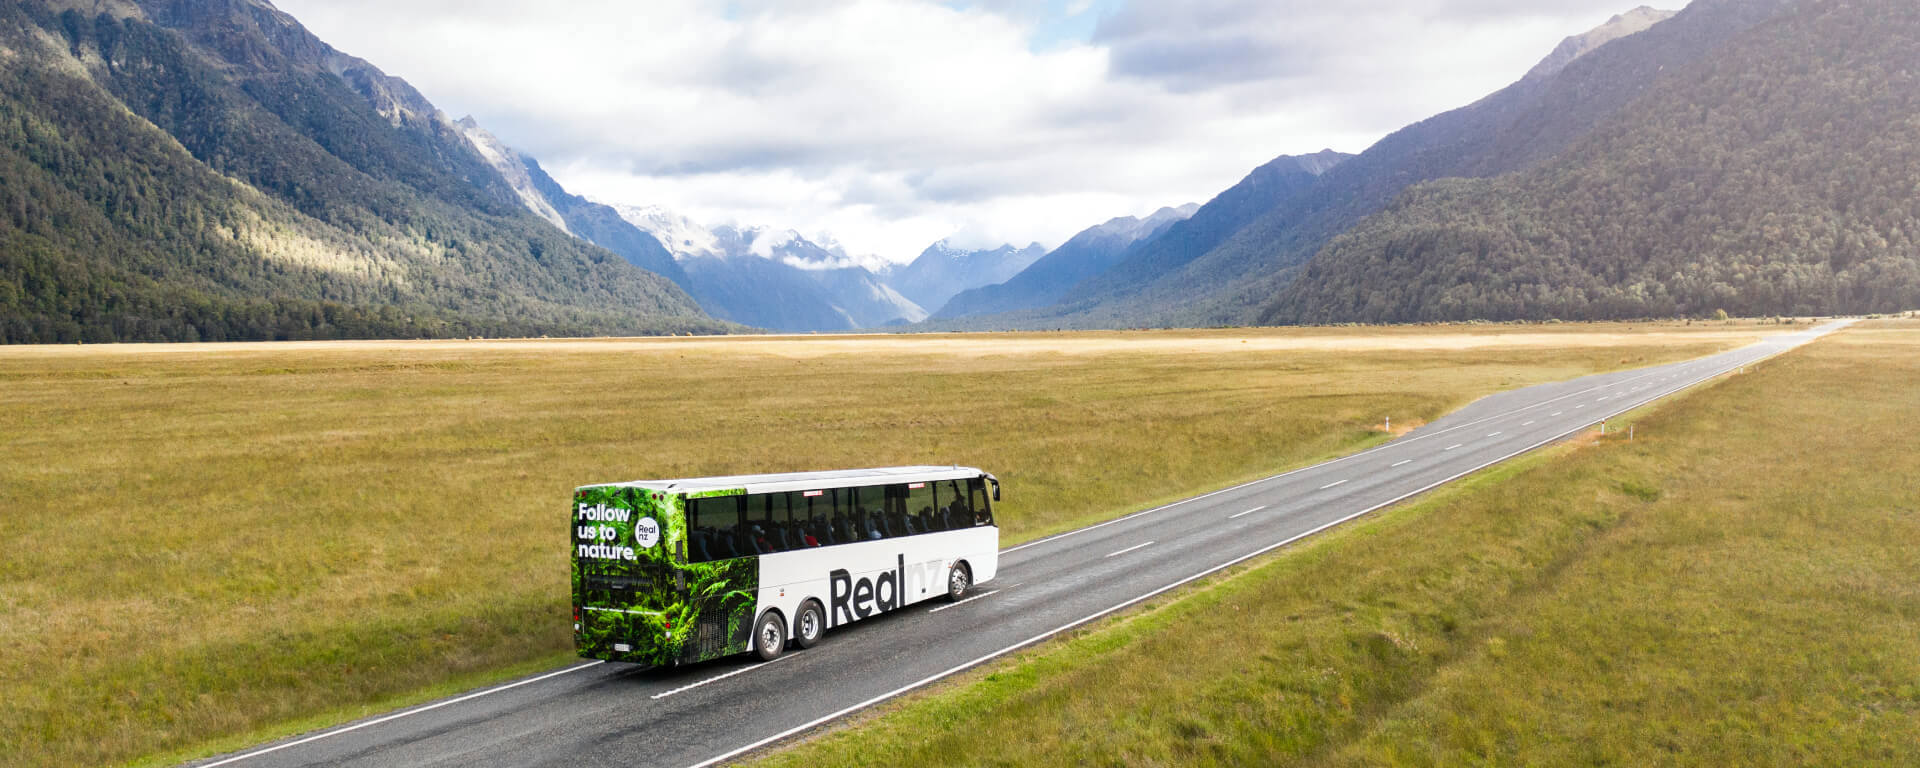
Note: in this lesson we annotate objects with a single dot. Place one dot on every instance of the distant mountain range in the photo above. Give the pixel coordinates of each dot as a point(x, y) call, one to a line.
point(1089, 253)
point(207, 169)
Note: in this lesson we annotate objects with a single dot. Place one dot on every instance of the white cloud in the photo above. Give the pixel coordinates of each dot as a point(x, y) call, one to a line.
point(892, 123)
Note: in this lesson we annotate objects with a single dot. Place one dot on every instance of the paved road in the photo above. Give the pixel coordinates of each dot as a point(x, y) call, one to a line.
point(596, 714)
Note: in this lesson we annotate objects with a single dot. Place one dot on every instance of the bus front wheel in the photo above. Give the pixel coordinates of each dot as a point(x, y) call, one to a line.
point(770, 636)
point(959, 578)
point(811, 624)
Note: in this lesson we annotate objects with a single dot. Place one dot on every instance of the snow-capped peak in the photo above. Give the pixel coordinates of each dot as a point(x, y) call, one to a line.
point(683, 237)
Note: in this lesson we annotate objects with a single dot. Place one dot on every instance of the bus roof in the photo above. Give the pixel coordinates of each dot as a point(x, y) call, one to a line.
point(801, 481)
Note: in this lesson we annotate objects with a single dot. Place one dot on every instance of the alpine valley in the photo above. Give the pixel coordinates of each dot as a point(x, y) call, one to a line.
point(178, 170)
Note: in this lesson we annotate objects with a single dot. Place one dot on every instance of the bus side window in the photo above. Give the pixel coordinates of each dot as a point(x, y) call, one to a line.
point(711, 524)
point(977, 493)
point(921, 507)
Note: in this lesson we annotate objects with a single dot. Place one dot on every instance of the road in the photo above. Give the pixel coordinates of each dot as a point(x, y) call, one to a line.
point(602, 714)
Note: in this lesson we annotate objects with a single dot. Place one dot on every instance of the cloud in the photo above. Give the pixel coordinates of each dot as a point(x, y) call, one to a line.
point(892, 123)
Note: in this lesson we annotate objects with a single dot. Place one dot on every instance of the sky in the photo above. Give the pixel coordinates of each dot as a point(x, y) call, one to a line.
point(889, 124)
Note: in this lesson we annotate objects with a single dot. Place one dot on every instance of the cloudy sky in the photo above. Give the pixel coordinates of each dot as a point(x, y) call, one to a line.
point(892, 123)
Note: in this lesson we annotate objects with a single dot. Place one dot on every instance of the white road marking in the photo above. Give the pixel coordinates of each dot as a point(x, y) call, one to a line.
point(1408, 461)
point(398, 715)
point(964, 601)
point(1249, 484)
point(720, 677)
point(1248, 512)
point(1123, 605)
point(1451, 447)
point(1556, 413)
point(1494, 434)
point(1527, 424)
point(1332, 484)
point(1128, 549)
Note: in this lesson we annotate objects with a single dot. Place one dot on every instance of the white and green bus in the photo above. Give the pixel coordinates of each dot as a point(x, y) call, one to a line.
point(670, 572)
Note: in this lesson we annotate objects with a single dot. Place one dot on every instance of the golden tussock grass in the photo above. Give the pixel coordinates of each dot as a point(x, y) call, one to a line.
point(211, 544)
point(1735, 586)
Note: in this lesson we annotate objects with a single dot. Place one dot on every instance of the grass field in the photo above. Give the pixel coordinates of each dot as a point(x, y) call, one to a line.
point(213, 544)
point(1735, 586)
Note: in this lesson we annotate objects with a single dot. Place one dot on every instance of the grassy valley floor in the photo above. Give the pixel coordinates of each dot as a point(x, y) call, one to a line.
point(210, 545)
point(1735, 586)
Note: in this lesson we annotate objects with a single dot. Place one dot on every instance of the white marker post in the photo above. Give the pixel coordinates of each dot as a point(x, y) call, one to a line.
point(1389, 425)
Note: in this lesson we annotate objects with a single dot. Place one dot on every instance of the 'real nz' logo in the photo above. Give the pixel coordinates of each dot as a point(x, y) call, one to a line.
point(852, 598)
point(596, 533)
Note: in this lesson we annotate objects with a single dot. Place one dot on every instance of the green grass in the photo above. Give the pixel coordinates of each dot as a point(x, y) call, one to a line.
point(213, 545)
point(1733, 587)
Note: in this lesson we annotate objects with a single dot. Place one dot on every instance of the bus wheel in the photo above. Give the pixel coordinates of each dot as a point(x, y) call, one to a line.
point(770, 636)
point(810, 626)
point(958, 579)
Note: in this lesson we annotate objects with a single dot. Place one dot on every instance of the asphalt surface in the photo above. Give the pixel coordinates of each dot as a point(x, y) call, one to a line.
point(604, 714)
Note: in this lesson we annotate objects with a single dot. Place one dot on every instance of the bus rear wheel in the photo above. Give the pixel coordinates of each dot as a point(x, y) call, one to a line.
point(810, 626)
point(959, 578)
point(770, 636)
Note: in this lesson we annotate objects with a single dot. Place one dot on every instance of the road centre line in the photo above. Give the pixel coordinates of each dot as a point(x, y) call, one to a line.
point(398, 715)
point(1402, 463)
point(1527, 424)
point(1128, 603)
point(1383, 446)
point(1332, 484)
point(1129, 549)
point(1495, 434)
point(1556, 413)
point(1248, 512)
point(958, 603)
point(720, 677)
point(1451, 447)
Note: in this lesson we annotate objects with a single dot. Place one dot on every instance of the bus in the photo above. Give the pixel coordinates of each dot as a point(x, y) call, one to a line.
point(670, 572)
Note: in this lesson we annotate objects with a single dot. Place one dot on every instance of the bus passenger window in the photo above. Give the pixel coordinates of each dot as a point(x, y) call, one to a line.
point(982, 510)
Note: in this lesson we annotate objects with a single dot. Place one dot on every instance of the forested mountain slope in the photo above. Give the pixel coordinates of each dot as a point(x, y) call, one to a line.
point(1518, 127)
point(206, 169)
point(1781, 175)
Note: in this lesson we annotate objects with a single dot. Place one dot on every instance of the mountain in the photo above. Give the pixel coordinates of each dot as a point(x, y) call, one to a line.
point(1777, 176)
point(943, 270)
point(207, 169)
point(1161, 269)
point(1632, 22)
point(1516, 128)
point(774, 279)
point(1086, 254)
point(596, 223)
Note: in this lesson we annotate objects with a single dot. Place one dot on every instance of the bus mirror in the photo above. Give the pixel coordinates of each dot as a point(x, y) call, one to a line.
point(995, 482)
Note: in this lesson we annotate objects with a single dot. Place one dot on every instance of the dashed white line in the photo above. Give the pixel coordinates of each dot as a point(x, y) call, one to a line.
point(1556, 413)
point(736, 752)
point(1332, 484)
point(1451, 447)
point(1128, 549)
point(1527, 424)
point(1494, 434)
point(1248, 512)
point(958, 603)
point(716, 678)
point(1408, 461)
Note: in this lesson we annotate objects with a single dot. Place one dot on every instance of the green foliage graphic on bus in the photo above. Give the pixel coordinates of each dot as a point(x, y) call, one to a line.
point(635, 589)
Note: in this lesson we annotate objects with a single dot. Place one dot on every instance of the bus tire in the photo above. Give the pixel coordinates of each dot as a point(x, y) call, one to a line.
point(959, 578)
point(770, 636)
point(810, 625)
